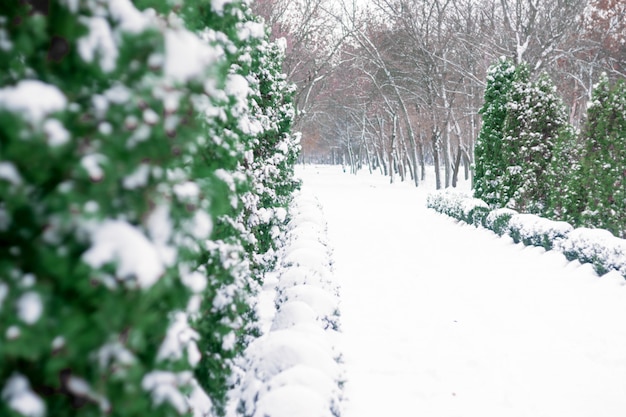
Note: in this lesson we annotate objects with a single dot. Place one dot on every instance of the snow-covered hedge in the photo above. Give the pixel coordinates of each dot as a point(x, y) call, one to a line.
point(459, 206)
point(595, 246)
point(145, 169)
point(533, 230)
point(294, 368)
point(498, 220)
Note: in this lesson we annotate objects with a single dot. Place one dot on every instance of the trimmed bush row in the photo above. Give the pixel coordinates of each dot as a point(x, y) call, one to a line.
point(595, 246)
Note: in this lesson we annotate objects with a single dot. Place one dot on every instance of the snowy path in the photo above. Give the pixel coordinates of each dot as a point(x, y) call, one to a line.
point(443, 320)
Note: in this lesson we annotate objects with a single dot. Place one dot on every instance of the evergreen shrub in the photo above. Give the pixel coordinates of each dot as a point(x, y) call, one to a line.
point(498, 220)
point(597, 247)
point(128, 260)
point(531, 229)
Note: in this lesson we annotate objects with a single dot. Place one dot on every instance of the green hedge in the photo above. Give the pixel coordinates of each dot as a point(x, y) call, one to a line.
point(598, 247)
point(133, 234)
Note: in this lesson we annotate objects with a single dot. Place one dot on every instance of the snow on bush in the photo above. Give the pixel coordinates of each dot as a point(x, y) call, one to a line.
point(533, 230)
point(294, 369)
point(459, 206)
point(595, 246)
point(145, 168)
point(598, 247)
point(498, 220)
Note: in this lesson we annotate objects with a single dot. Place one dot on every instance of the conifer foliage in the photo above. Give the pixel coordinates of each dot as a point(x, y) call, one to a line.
point(130, 217)
point(535, 120)
point(599, 200)
point(489, 158)
point(529, 158)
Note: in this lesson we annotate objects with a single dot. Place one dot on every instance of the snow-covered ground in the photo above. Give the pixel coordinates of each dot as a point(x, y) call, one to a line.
point(443, 320)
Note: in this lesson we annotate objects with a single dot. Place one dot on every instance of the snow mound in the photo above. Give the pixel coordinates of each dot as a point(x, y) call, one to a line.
point(598, 247)
point(324, 304)
point(294, 369)
point(308, 257)
point(288, 401)
point(292, 313)
point(299, 275)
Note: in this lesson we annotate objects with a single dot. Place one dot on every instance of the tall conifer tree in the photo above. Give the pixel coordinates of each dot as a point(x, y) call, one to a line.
point(488, 153)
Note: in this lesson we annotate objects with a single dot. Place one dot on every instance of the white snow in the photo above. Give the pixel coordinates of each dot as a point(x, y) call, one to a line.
point(92, 164)
point(286, 402)
point(218, 6)
point(596, 245)
point(118, 94)
point(29, 307)
point(180, 338)
point(136, 257)
point(202, 225)
point(195, 281)
point(294, 368)
point(443, 319)
point(9, 172)
point(56, 132)
point(150, 117)
point(186, 56)
point(130, 19)
point(34, 98)
point(98, 43)
point(4, 291)
point(138, 178)
point(199, 401)
point(58, 342)
point(81, 388)
point(13, 332)
point(165, 388)
point(5, 41)
point(187, 191)
point(255, 30)
point(115, 354)
point(19, 397)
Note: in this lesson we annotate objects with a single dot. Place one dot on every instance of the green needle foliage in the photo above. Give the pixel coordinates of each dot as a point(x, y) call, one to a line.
point(598, 195)
point(489, 159)
point(135, 222)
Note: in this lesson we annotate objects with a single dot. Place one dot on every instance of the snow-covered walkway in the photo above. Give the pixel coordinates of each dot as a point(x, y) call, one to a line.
point(444, 320)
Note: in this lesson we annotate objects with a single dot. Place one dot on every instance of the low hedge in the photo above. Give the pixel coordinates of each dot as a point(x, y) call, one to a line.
point(595, 246)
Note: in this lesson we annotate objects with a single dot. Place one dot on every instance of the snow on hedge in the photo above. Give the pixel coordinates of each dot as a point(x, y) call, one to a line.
point(294, 369)
point(594, 246)
point(533, 230)
point(135, 224)
point(598, 247)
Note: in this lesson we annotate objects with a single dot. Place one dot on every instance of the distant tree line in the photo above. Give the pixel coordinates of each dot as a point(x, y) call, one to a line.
point(396, 85)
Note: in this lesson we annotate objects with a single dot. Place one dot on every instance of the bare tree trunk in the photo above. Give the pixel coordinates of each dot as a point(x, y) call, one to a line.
point(436, 148)
point(368, 159)
point(467, 163)
point(410, 161)
point(456, 166)
point(422, 157)
point(413, 153)
point(391, 147)
point(447, 156)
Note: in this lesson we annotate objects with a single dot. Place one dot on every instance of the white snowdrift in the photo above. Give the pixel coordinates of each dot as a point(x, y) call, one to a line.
point(294, 369)
point(443, 319)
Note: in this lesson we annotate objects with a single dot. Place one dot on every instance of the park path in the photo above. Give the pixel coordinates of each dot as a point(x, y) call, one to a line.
point(445, 320)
